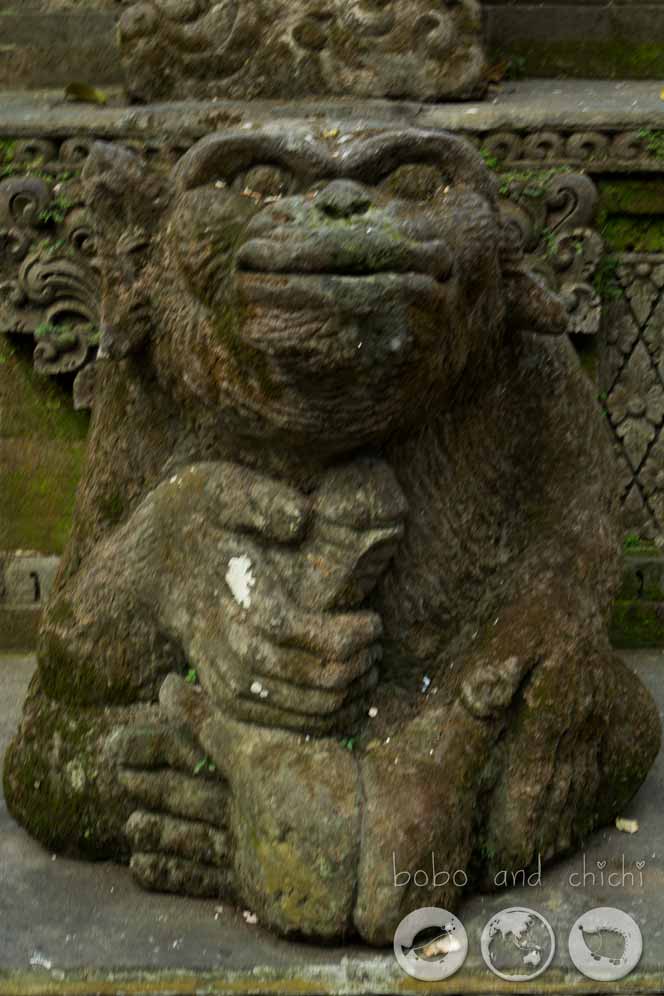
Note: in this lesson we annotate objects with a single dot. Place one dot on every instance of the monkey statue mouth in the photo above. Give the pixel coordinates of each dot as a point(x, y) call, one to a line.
point(338, 315)
point(362, 252)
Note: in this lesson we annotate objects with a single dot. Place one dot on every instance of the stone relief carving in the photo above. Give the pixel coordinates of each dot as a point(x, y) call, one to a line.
point(408, 49)
point(337, 421)
point(49, 279)
point(640, 149)
point(549, 224)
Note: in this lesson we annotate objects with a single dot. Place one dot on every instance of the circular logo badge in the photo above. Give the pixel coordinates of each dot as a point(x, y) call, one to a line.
point(430, 944)
point(605, 944)
point(518, 944)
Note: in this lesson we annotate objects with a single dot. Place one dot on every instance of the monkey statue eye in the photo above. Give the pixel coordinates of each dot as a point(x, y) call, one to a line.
point(263, 181)
point(415, 182)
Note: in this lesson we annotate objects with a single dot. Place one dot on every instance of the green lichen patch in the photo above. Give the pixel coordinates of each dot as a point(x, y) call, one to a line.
point(629, 233)
point(65, 805)
point(42, 449)
point(629, 196)
point(637, 624)
point(529, 184)
point(585, 58)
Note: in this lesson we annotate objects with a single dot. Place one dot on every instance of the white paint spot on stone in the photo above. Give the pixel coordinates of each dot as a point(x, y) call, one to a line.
point(40, 960)
point(240, 579)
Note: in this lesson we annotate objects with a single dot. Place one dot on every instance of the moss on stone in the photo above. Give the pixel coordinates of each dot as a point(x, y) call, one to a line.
point(585, 58)
point(633, 233)
point(65, 805)
point(42, 449)
point(629, 196)
point(637, 624)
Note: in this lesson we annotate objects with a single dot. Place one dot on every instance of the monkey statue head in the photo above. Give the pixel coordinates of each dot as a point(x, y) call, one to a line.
point(325, 291)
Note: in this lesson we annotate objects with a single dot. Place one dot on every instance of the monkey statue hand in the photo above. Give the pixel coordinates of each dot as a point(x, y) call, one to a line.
point(286, 646)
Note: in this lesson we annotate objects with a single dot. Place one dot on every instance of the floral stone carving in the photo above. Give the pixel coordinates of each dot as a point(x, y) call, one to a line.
point(414, 49)
point(336, 497)
point(49, 280)
point(549, 223)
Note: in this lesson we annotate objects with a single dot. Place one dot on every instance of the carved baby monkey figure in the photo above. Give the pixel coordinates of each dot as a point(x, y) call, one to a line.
point(344, 548)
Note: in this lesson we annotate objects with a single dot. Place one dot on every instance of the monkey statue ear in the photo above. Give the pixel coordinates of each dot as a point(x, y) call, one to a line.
point(126, 201)
point(120, 190)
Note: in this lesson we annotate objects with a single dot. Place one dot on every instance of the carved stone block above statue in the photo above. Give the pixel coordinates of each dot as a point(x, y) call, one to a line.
point(411, 49)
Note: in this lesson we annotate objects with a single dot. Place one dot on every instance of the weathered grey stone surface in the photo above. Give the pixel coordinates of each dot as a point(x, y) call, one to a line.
point(333, 436)
point(291, 48)
point(530, 105)
point(73, 928)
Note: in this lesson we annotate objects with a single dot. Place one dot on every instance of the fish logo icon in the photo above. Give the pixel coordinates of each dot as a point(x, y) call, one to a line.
point(430, 944)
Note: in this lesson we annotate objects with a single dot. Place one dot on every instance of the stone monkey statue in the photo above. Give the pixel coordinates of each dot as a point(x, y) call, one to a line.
point(344, 476)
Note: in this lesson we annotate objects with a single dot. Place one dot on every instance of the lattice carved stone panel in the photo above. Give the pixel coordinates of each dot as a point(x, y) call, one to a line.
point(632, 378)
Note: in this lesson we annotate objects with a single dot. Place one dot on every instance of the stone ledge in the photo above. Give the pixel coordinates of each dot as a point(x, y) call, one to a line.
point(528, 105)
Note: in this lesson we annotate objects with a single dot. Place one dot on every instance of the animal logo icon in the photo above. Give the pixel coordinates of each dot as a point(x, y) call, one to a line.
point(605, 944)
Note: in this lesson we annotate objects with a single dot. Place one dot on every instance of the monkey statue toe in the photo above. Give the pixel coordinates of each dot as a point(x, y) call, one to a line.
point(343, 555)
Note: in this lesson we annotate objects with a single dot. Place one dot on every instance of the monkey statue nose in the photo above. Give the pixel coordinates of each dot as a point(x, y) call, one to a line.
point(343, 199)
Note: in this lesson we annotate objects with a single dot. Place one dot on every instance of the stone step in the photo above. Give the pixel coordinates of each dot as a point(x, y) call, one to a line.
point(52, 49)
point(586, 39)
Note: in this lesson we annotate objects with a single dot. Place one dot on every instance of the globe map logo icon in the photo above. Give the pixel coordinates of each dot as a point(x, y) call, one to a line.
point(518, 944)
